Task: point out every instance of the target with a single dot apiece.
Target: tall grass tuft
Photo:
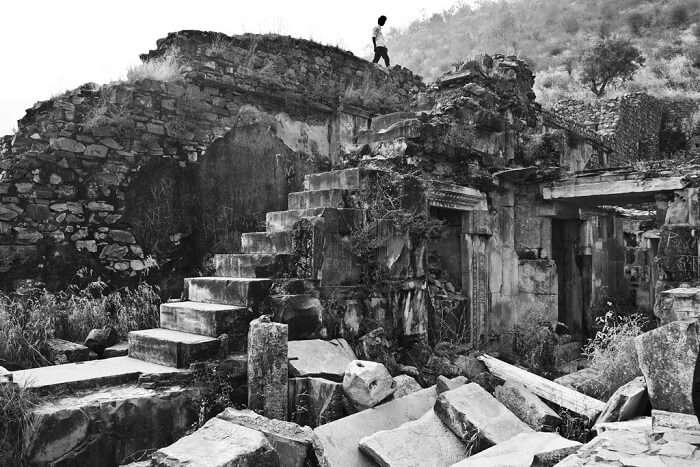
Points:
(16, 404)
(29, 319)
(612, 353)
(167, 67)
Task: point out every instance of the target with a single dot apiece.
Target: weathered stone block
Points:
(315, 401)
(291, 442)
(105, 426)
(405, 385)
(444, 384)
(268, 368)
(527, 407)
(423, 442)
(228, 291)
(629, 401)
(325, 359)
(366, 384)
(61, 351)
(667, 358)
(219, 443)
(362, 424)
(171, 348)
(207, 319)
(470, 410)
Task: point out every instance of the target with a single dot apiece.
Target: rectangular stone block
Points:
(426, 441)
(527, 407)
(267, 242)
(338, 440)
(322, 199)
(206, 319)
(315, 401)
(469, 410)
(255, 265)
(228, 290)
(320, 358)
(268, 368)
(171, 348)
(348, 179)
(337, 220)
(521, 450)
(61, 351)
(219, 443)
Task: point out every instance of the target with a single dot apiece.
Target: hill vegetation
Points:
(554, 36)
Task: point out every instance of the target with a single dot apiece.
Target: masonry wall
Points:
(118, 179)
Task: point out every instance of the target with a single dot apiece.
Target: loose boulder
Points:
(667, 358)
(219, 443)
(527, 407)
(366, 384)
(423, 442)
(469, 410)
(99, 339)
(629, 401)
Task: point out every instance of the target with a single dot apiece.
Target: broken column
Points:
(267, 368)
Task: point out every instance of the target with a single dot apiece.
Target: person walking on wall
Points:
(380, 50)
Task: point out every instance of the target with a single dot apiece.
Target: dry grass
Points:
(16, 404)
(29, 319)
(166, 68)
(612, 353)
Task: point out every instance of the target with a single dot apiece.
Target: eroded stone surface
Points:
(629, 401)
(423, 442)
(219, 443)
(444, 384)
(337, 441)
(469, 409)
(405, 385)
(315, 401)
(267, 368)
(527, 406)
(325, 359)
(106, 426)
(667, 358)
(366, 383)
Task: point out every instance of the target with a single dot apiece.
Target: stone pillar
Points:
(267, 368)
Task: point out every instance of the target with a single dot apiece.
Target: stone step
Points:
(206, 319)
(267, 243)
(228, 290)
(348, 179)
(382, 122)
(171, 348)
(337, 220)
(254, 265)
(334, 198)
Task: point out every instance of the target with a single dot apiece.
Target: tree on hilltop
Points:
(609, 61)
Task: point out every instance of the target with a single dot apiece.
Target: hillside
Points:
(552, 35)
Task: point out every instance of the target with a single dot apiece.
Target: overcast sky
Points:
(49, 46)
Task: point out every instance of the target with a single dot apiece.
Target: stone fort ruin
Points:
(367, 214)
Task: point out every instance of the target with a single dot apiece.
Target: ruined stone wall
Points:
(680, 132)
(111, 178)
(633, 123)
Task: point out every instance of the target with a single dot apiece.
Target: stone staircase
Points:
(266, 278)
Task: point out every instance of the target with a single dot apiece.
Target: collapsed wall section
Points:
(110, 178)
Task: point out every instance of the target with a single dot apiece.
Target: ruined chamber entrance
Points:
(572, 266)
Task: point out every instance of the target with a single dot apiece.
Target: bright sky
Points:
(49, 46)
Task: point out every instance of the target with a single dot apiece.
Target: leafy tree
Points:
(610, 61)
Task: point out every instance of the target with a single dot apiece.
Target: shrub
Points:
(678, 15)
(167, 67)
(612, 353)
(534, 341)
(637, 21)
(15, 407)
